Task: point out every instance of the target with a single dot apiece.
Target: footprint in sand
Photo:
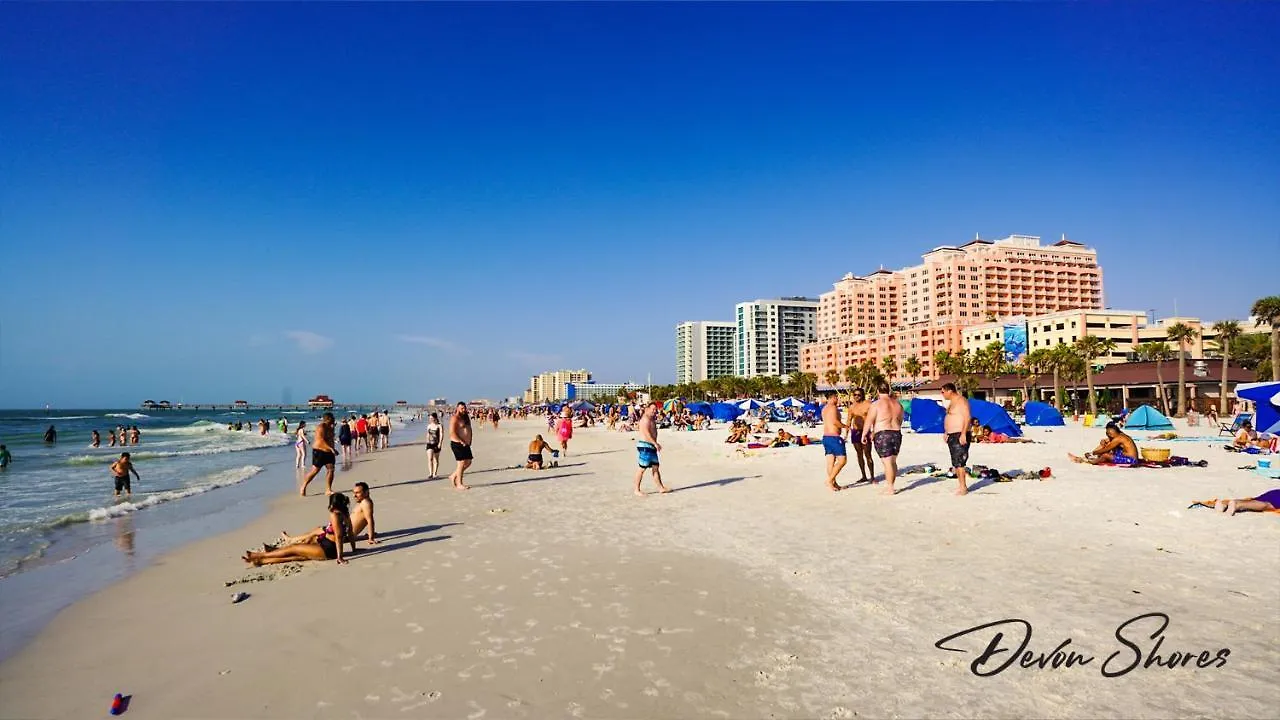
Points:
(841, 713)
(415, 627)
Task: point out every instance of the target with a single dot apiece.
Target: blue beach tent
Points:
(993, 416)
(1147, 418)
(812, 407)
(725, 411)
(699, 408)
(1043, 415)
(926, 415)
(1266, 401)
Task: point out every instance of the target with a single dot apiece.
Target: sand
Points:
(749, 592)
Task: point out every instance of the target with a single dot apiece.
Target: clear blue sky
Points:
(386, 201)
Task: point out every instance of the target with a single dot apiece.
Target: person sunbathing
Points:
(762, 426)
(738, 432)
(1268, 501)
(979, 432)
(535, 453)
(783, 439)
(328, 545)
(361, 518)
(1115, 449)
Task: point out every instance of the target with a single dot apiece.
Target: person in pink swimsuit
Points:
(564, 429)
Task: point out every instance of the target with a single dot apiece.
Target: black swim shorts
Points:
(384, 430)
(122, 484)
(321, 458)
(460, 452)
(888, 443)
(959, 453)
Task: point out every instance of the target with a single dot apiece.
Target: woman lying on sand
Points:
(1268, 501)
(327, 546)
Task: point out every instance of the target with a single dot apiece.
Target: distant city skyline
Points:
(206, 201)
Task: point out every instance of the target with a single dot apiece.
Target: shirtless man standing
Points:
(120, 470)
(833, 440)
(322, 455)
(956, 425)
(883, 428)
(460, 443)
(857, 423)
(647, 448)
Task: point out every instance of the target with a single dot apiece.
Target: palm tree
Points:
(1181, 333)
(803, 384)
(889, 364)
(1159, 352)
(1037, 362)
(1090, 347)
(869, 374)
(944, 362)
(912, 368)
(990, 362)
(1267, 310)
(832, 376)
(1059, 359)
(1227, 331)
(851, 376)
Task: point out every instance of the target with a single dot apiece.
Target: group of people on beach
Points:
(878, 424)
(120, 435)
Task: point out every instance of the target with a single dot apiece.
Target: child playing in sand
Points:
(535, 453)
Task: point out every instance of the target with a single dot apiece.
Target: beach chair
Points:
(1234, 427)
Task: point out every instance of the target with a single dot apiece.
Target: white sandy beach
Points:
(750, 592)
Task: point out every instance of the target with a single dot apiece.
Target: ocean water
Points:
(54, 495)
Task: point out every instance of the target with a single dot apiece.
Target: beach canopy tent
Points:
(989, 414)
(788, 403)
(750, 404)
(812, 407)
(926, 415)
(582, 405)
(725, 411)
(1147, 418)
(699, 408)
(1266, 398)
(1043, 415)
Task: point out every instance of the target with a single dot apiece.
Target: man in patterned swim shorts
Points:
(883, 428)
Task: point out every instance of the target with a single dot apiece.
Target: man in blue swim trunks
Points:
(647, 448)
(833, 440)
(1115, 449)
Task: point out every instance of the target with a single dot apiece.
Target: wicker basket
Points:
(1155, 454)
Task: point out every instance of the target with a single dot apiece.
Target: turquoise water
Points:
(51, 489)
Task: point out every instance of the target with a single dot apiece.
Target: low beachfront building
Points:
(594, 391)
(1119, 385)
(1128, 328)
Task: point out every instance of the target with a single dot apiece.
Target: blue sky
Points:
(220, 201)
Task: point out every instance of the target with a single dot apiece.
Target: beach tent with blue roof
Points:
(750, 404)
(1266, 401)
(812, 407)
(926, 415)
(699, 408)
(993, 416)
(725, 411)
(1147, 418)
(1041, 414)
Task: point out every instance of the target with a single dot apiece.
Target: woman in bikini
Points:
(435, 433)
(327, 546)
(300, 444)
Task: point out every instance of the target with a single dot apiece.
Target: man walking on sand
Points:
(833, 440)
(883, 428)
(956, 425)
(323, 455)
(460, 443)
(857, 424)
(647, 448)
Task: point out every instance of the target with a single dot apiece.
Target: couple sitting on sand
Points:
(324, 543)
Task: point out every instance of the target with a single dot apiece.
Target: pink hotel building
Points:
(920, 310)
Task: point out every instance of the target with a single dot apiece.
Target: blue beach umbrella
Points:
(750, 404)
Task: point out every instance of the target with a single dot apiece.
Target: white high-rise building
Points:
(704, 350)
(770, 333)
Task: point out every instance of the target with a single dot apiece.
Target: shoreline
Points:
(749, 591)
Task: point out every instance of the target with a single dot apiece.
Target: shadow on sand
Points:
(531, 478)
(714, 483)
(409, 539)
